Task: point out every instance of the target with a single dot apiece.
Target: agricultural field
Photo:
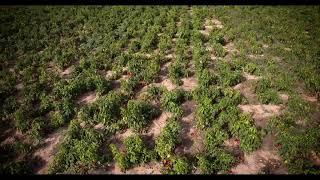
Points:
(160, 90)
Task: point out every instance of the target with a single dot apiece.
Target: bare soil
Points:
(50, 147)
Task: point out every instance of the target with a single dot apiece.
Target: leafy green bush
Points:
(168, 139)
(136, 153)
(216, 37)
(206, 78)
(251, 68)
(150, 40)
(164, 43)
(180, 165)
(172, 99)
(176, 72)
(214, 137)
(120, 157)
(206, 112)
(229, 76)
(138, 114)
(155, 91)
(247, 132)
(109, 107)
(81, 146)
(219, 161)
(128, 86)
(22, 121)
(269, 96)
(219, 50)
(296, 144)
(150, 73)
(134, 46)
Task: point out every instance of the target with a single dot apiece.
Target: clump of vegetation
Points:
(247, 132)
(229, 75)
(138, 114)
(296, 143)
(219, 161)
(135, 153)
(19, 167)
(156, 92)
(219, 50)
(168, 139)
(179, 165)
(171, 101)
(266, 93)
(80, 148)
(106, 110)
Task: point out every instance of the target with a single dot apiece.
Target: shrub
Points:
(251, 68)
(168, 139)
(176, 72)
(56, 119)
(214, 137)
(164, 43)
(228, 75)
(155, 91)
(22, 122)
(119, 157)
(205, 78)
(80, 147)
(109, 107)
(219, 50)
(247, 132)
(19, 167)
(269, 96)
(216, 37)
(172, 99)
(138, 114)
(134, 46)
(219, 161)
(150, 73)
(37, 128)
(180, 165)
(128, 86)
(136, 153)
(206, 112)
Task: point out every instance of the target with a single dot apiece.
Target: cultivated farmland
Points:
(160, 90)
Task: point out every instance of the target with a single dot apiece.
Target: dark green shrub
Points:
(219, 161)
(109, 107)
(180, 165)
(206, 78)
(172, 99)
(219, 50)
(269, 96)
(176, 72)
(155, 91)
(247, 132)
(214, 137)
(134, 46)
(138, 114)
(22, 121)
(15, 168)
(136, 153)
(80, 146)
(168, 139)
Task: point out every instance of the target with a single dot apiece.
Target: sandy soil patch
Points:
(264, 160)
(189, 83)
(87, 98)
(158, 124)
(261, 112)
(49, 149)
